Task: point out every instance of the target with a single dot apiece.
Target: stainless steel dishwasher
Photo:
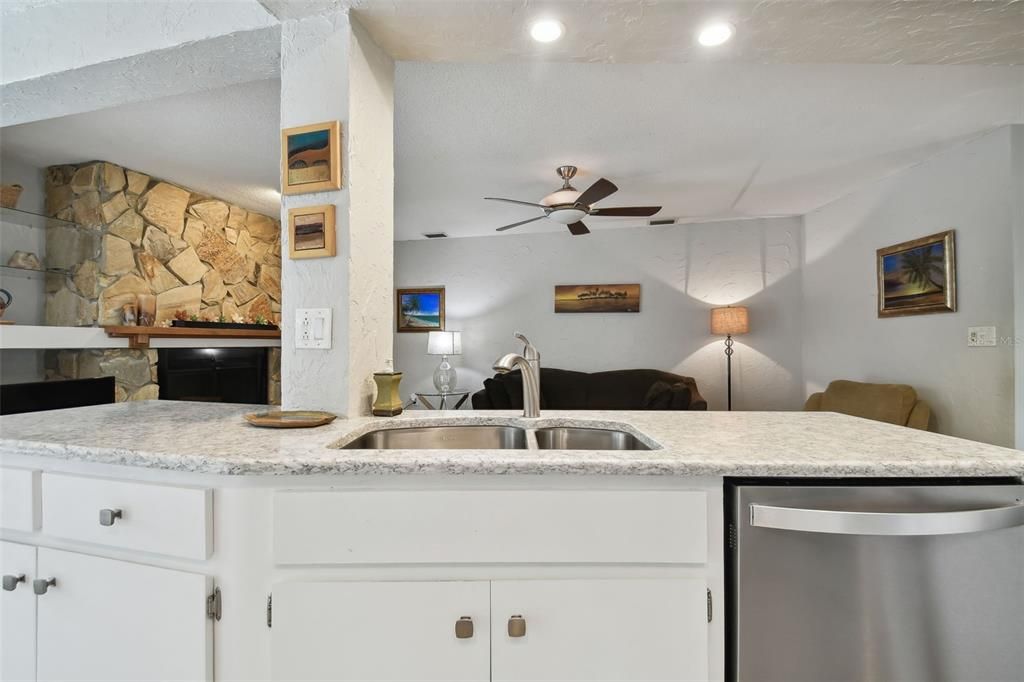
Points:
(833, 582)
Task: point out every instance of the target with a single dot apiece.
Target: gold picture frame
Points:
(918, 277)
(419, 310)
(311, 232)
(311, 158)
(597, 298)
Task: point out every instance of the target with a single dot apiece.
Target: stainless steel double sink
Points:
(489, 437)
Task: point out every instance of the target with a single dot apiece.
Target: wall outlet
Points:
(313, 328)
(981, 336)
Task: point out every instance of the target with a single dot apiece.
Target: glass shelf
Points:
(16, 271)
(15, 216)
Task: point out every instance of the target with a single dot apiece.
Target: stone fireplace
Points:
(142, 235)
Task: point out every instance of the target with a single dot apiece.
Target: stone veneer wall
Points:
(141, 235)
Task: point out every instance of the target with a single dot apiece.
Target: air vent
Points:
(663, 221)
(435, 235)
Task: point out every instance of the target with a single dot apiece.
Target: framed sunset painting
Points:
(311, 158)
(918, 277)
(420, 310)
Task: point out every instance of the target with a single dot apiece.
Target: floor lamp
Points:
(729, 321)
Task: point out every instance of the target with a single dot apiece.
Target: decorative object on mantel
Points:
(9, 195)
(311, 232)
(729, 321)
(387, 403)
(128, 315)
(597, 298)
(146, 309)
(311, 158)
(420, 310)
(444, 343)
(290, 419)
(26, 260)
(183, 318)
(6, 299)
(918, 277)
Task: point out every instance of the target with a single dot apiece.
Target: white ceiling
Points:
(707, 142)
(224, 142)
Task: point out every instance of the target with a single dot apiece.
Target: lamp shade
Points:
(444, 343)
(730, 321)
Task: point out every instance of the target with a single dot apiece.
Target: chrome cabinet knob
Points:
(108, 516)
(464, 628)
(11, 581)
(42, 585)
(517, 626)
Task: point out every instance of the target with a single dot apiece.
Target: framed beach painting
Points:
(311, 158)
(420, 310)
(311, 232)
(597, 298)
(918, 276)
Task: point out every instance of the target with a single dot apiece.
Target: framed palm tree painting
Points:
(918, 276)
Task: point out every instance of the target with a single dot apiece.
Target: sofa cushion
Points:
(890, 403)
(659, 396)
(681, 397)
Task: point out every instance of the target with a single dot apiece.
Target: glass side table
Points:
(434, 400)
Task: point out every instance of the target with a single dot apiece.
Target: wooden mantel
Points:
(138, 337)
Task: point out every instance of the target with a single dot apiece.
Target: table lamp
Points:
(729, 321)
(444, 344)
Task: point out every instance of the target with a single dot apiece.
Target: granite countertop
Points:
(213, 438)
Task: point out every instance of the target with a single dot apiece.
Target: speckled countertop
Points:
(213, 438)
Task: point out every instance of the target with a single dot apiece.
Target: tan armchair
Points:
(892, 403)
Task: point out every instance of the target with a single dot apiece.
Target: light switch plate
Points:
(313, 328)
(981, 336)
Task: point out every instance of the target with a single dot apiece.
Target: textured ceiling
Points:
(663, 31)
(707, 142)
(224, 142)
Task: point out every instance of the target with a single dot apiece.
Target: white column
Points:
(332, 70)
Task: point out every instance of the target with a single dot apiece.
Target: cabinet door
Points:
(369, 631)
(18, 614)
(115, 620)
(600, 630)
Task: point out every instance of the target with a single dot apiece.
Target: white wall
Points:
(496, 285)
(22, 365)
(968, 187)
(1017, 189)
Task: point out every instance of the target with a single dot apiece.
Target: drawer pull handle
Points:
(11, 581)
(42, 585)
(108, 516)
(464, 628)
(517, 626)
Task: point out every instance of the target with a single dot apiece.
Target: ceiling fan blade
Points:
(626, 211)
(521, 222)
(578, 228)
(599, 190)
(515, 201)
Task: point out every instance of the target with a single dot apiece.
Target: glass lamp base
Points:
(444, 376)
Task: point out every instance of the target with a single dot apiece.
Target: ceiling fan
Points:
(568, 205)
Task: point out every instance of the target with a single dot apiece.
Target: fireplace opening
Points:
(214, 375)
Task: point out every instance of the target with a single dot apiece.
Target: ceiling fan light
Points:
(546, 30)
(562, 196)
(566, 216)
(715, 34)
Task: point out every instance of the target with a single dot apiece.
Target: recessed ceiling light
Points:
(546, 30)
(715, 34)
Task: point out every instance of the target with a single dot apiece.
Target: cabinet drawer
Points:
(161, 519)
(550, 526)
(19, 499)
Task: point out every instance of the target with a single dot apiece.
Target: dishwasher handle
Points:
(879, 523)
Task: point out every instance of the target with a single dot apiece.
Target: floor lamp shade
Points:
(730, 321)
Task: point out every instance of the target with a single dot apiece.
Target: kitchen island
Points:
(166, 540)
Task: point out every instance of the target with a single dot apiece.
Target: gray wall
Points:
(970, 188)
(496, 285)
(1017, 189)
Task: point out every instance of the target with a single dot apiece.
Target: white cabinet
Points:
(369, 631)
(599, 630)
(618, 629)
(116, 620)
(17, 613)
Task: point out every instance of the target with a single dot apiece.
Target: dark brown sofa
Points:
(623, 389)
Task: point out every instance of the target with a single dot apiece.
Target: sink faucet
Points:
(529, 366)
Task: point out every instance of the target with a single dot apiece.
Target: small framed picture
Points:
(918, 277)
(420, 310)
(311, 158)
(311, 232)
